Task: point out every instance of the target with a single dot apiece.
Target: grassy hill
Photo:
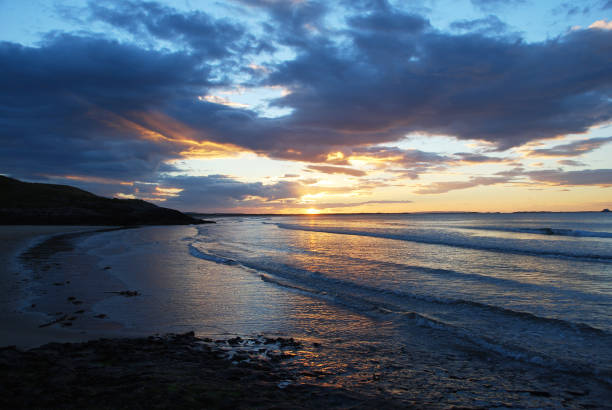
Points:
(24, 203)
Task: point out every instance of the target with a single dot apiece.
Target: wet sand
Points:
(21, 328)
(94, 365)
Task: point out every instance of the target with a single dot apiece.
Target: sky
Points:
(300, 106)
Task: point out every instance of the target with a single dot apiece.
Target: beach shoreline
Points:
(20, 327)
(75, 366)
(435, 370)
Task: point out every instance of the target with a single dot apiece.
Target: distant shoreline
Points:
(230, 214)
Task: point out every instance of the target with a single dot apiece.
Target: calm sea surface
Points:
(529, 288)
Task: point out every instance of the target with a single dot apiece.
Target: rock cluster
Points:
(172, 371)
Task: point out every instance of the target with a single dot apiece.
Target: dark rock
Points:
(155, 372)
(235, 341)
(127, 293)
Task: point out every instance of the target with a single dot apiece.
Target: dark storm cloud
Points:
(294, 23)
(202, 34)
(572, 149)
(63, 105)
(469, 86)
(385, 22)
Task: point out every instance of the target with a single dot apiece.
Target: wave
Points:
(545, 231)
(475, 277)
(386, 310)
(213, 258)
(458, 243)
(320, 284)
(522, 336)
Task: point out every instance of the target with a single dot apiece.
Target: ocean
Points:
(474, 305)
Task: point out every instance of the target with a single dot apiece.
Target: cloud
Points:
(469, 86)
(220, 192)
(602, 25)
(588, 177)
(389, 22)
(490, 24)
(447, 186)
(328, 169)
(87, 105)
(76, 115)
(200, 33)
(572, 149)
(571, 162)
(351, 204)
(593, 177)
(475, 158)
(411, 162)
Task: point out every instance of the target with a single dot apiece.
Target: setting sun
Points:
(312, 211)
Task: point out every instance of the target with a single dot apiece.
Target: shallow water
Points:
(397, 295)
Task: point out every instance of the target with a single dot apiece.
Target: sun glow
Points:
(313, 211)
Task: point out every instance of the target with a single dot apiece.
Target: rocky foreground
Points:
(173, 371)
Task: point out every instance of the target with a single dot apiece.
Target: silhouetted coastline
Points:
(26, 203)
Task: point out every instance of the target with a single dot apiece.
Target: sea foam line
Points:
(544, 231)
(456, 244)
(317, 283)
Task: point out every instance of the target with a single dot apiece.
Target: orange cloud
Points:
(158, 127)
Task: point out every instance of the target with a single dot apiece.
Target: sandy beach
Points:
(19, 327)
(46, 364)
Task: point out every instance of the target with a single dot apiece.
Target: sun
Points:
(312, 211)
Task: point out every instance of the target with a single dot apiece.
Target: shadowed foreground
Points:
(174, 371)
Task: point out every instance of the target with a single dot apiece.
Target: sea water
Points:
(530, 289)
